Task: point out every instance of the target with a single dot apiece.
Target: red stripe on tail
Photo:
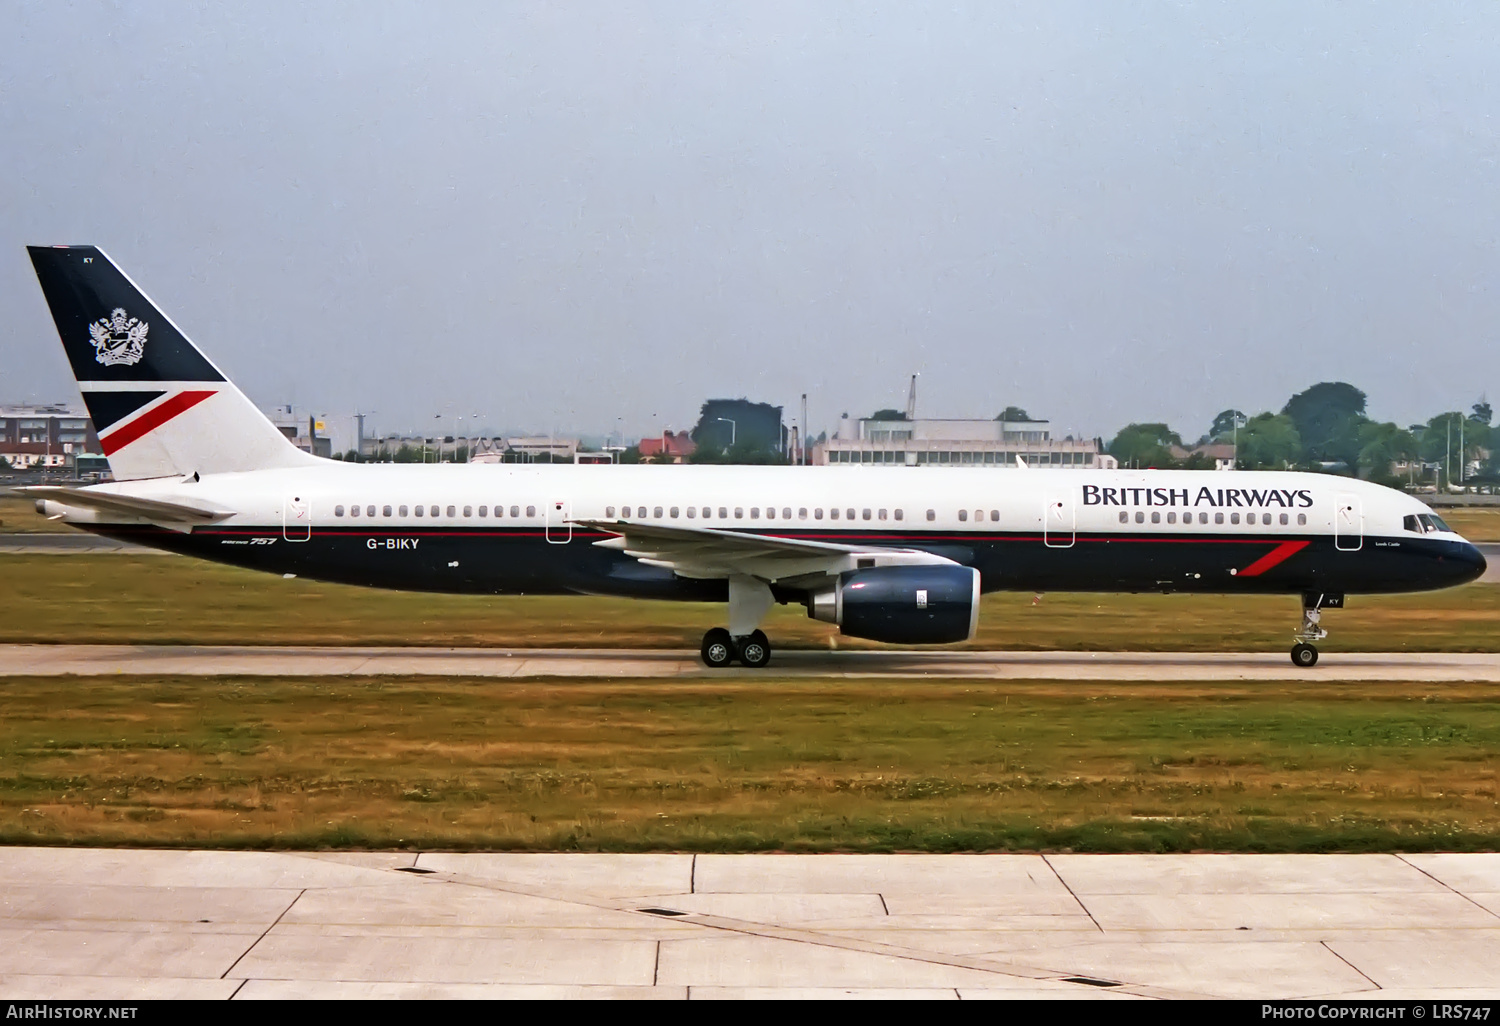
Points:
(151, 420)
(1275, 557)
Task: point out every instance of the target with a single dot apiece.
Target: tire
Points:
(755, 650)
(718, 649)
(1304, 655)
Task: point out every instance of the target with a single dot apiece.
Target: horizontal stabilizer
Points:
(127, 505)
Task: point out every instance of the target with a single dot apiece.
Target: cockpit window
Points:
(1425, 523)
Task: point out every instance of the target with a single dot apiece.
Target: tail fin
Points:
(159, 406)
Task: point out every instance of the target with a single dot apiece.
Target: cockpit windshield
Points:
(1425, 523)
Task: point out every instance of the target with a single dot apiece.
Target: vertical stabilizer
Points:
(158, 405)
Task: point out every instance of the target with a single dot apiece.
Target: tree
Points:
(887, 415)
(1144, 445)
(723, 423)
(1328, 417)
(1223, 426)
(1482, 412)
(630, 455)
(1382, 445)
(4, 463)
(1268, 441)
(1013, 413)
(406, 454)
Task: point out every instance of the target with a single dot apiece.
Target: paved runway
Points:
(92, 660)
(86, 923)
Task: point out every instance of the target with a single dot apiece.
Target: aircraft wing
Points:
(708, 553)
(155, 510)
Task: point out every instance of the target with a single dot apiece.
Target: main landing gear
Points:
(749, 600)
(1304, 652)
(720, 649)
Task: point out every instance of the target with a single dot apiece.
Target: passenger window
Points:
(900, 515)
(1249, 518)
(452, 512)
(978, 515)
(369, 511)
(1202, 518)
(692, 512)
(1219, 517)
(420, 510)
(880, 514)
(1171, 518)
(1124, 517)
(433, 511)
(723, 512)
(932, 514)
(708, 511)
(657, 512)
(1301, 519)
(866, 513)
(739, 512)
(402, 510)
(468, 511)
(994, 516)
(818, 513)
(849, 514)
(354, 511)
(531, 511)
(770, 512)
(338, 511)
(515, 511)
(1283, 519)
(1234, 518)
(833, 514)
(802, 513)
(963, 514)
(609, 512)
(673, 512)
(385, 511)
(484, 511)
(1156, 516)
(754, 512)
(786, 513)
(1140, 517)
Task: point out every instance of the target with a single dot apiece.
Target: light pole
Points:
(1238, 419)
(731, 430)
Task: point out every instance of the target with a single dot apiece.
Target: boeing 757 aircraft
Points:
(892, 555)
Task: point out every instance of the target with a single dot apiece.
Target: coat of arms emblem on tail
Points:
(119, 338)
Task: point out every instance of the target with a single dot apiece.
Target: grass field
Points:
(770, 765)
(1475, 524)
(166, 599)
(19, 516)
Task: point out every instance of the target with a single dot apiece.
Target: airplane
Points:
(889, 555)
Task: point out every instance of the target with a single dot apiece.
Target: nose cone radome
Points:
(1466, 561)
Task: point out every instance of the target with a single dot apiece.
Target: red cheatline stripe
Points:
(1276, 556)
(150, 420)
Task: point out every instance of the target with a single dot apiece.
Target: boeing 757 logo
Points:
(119, 338)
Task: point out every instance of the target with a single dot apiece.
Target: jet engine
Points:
(921, 605)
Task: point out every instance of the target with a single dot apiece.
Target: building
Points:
(302, 431)
(1221, 453)
(901, 442)
(670, 448)
(49, 436)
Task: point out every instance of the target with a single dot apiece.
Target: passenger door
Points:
(1348, 523)
(296, 518)
(559, 521)
(1059, 522)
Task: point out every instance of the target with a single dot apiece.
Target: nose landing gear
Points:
(1304, 652)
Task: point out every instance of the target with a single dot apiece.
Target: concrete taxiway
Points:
(95, 660)
(85, 923)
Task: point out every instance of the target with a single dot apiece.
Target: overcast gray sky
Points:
(593, 216)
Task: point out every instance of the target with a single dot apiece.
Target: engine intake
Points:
(909, 605)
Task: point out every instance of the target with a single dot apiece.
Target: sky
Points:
(588, 218)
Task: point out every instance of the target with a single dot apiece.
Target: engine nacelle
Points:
(909, 605)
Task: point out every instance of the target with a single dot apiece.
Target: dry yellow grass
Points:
(732, 765)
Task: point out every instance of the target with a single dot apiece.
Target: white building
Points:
(962, 443)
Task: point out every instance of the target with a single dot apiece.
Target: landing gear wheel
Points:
(1304, 655)
(755, 650)
(718, 648)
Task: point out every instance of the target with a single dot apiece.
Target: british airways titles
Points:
(1100, 495)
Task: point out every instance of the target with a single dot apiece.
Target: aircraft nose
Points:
(1466, 561)
(1476, 560)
